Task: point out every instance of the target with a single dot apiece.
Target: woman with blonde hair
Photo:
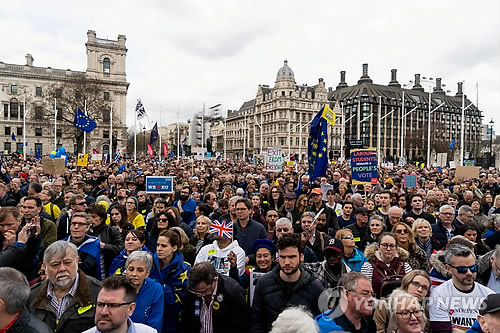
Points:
(416, 283)
(353, 257)
(406, 312)
(496, 205)
(201, 236)
(422, 232)
(417, 258)
(302, 203)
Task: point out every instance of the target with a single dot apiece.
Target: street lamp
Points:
(491, 141)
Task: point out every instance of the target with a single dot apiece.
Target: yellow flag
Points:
(82, 160)
(329, 115)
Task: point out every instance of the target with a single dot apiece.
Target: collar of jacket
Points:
(82, 296)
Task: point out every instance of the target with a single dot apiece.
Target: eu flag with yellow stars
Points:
(83, 122)
(317, 147)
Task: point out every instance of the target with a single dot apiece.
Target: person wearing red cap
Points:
(318, 204)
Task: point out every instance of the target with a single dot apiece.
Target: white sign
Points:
(96, 157)
(254, 277)
(324, 189)
(452, 164)
(274, 159)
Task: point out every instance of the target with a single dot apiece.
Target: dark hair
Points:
(469, 226)
(416, 195)
(123, 212)
(37, 187)
(73, 199)
(347, 203)
(97, 210)
(224, 203)
(117, 282)
(101, 179)
(173, 236)
(386, 192)
(290, 240)
(201, 272)
(51, 194)
(170, 218)
(386, 233)
(137, 234)
(205, 209)
(246, 202)
(37, 200)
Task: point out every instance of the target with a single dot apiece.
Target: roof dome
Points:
(285, 72)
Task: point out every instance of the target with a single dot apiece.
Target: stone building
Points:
(28, 85)
(279, 116)
(387, 102)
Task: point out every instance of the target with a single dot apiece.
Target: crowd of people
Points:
(234, 248)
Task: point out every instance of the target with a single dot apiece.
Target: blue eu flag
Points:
(154, 134)
(83, 122)
(317, 147)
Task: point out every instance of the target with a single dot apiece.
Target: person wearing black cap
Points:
(359, 229)
(333, 267)
(488, 320)
(289, 210)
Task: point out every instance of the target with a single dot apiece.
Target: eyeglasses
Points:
(463, 269)
(163, 220)
(349, 236)
(407, 314)
(130, 203)
(418, 286)
(275, 192)
(282, 230)
(140, 196)
(241, 209)
(205, 293)
(388, 246)
(79, 224)
(111, 306)
(83, 203)
(402, 231)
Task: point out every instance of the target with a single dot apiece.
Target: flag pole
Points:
(85, 133)
(135, 135)
(159, 134)
(24, 129)
(178, 137)
(55, 124)
(110, 150)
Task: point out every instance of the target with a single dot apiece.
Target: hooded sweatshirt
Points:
(218, 257)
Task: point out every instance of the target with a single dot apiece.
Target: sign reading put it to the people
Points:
(410, 181)
(274, 159)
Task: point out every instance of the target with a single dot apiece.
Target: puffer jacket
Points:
(484, 268)
(417, 258)
(271, 297)
(80, 312)
(438, 273)
(27, 323)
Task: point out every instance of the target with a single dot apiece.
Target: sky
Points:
(184, 54)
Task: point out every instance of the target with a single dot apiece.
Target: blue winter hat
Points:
(260, 243)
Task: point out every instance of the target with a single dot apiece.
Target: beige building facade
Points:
(24, 89)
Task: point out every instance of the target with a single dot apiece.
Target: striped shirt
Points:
(60, 307)
(206, 313)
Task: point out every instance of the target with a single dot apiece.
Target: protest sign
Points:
(410, 181)
(96, 157)
(83, 159)
(274, 159)
(254, 277)
(290, 164)
(467, 172)
(53, 166)
(324, 189)
(452, 164)
(364, 166)
(159, 184)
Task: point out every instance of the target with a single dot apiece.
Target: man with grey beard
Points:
(66, 300)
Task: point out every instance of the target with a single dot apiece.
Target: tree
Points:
(70, 94)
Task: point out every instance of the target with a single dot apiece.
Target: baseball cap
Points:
(334, 244)
(490, 304)
(316, 191)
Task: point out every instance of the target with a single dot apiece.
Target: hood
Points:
(371, 253)
(437, 262)
(230, 247)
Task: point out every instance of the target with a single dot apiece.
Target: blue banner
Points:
(159, 184)
(364, 166)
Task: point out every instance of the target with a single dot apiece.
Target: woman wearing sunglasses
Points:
(417, 258)
(161, 222)
(417, 283)
(353, 257)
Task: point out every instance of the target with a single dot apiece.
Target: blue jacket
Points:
(188, 214)
(356, 262)
(90, 257)
(118, 265)
(326, 324)
(475, 328)
(149, 305)
(174, 279)
(253, 231)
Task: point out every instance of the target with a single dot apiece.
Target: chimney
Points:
(417, 85)
(438, 89)
(394, 81)
(342, 83)
(29, 60)
(365, 78)
(459, 91)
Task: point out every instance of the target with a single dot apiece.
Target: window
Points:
(19, 131)
(38, 131)
(58, 93)
(38, 113)
(106, 65)
(58, 132)
(106, 96)
(38, 91)
(13, 89)
(21, 111)
(7, 146)
(6, 110)
(59, 114)
(105, 134)
(38, 148)
(14, 109)
(19, 148)
(282, 93)
(7, 130)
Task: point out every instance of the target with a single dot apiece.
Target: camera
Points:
(31, 231)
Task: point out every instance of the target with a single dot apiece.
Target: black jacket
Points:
(439, 232)
(231, 315)
(27, 323)
(271, 297)
(331, 216)
(111, 237)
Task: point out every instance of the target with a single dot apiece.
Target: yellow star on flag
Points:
(320, 155)
(314, 153)
(324, 140)
(324, 148)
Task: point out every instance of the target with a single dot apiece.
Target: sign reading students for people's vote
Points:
(364, 166)
(274, 159)
(410, 180)
(159, 184)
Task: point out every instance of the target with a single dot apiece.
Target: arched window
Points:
(106, 65)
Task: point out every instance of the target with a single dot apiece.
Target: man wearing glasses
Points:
(213, 303)
(77, 204)
(65, 301)
(115, 305)
(446, 227)
(455, 303)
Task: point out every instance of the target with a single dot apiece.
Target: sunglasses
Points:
(463, 269)
(83, 203)
(402, 231)
(114, 214)
(163, 220)
(282, 230)
(349, 236)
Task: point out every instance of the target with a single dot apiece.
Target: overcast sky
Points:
(182, 53)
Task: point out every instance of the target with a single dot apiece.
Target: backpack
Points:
(389, 283)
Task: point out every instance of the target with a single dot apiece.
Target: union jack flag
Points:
(222, 228)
